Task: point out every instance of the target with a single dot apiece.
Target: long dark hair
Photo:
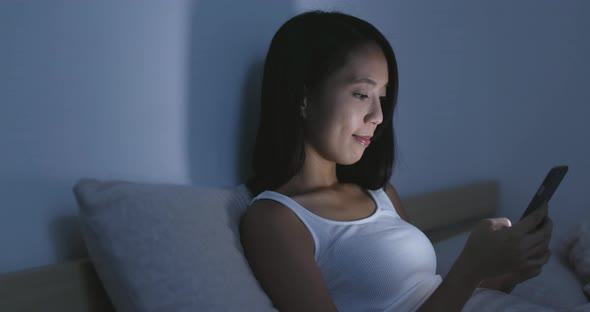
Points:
(303, 53)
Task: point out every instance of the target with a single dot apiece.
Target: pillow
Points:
(165, 247)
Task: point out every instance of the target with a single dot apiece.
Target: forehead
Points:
(367, 62)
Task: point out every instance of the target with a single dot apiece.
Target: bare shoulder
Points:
(396, 201)
(280, 252)
(270, 220)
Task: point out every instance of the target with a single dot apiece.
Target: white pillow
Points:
(164, 247)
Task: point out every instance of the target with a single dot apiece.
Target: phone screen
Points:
(546, 189)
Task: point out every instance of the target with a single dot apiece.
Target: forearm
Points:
(454, 291)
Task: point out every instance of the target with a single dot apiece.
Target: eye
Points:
(360, 96)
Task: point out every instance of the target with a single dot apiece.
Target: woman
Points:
(327, 231)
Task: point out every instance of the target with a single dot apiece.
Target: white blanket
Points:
(488, 300)
(578, 251)
(556, 289)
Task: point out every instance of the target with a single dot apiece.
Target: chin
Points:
(349, 161)
(349, 156)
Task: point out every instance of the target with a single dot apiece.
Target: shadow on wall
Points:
(67, 238)
(229, 41)
(249, 117)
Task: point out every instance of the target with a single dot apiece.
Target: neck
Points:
(316, 173)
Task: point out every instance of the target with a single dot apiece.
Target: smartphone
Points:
(546, 189)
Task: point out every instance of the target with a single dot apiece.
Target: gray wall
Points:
(164, 91)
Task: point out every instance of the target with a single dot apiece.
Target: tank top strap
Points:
(384, 202)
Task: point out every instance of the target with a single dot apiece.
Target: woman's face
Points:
(342, 117)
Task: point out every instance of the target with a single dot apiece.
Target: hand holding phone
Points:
(547, 188)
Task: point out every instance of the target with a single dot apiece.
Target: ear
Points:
(303, 108)
(305, 104)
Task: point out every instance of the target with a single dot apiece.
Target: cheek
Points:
(338, 121)
(335, 121)
(349, 118)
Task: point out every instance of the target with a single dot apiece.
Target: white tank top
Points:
(379, 263)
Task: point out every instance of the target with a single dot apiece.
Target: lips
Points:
(364, 140)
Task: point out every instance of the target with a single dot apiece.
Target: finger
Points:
(541, 235)
(531, 221)
(499, 223)
(537, 251)
(538, 262)
(546, 226)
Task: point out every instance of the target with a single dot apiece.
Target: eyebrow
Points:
(356, 80)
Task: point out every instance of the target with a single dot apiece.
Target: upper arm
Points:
(280, 251)
(395, 200)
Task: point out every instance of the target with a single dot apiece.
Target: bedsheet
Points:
(555, 289)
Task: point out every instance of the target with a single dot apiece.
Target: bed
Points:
(445, 216)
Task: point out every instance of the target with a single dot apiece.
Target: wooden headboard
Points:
(70, 286)
(450, 211)
(75, 286)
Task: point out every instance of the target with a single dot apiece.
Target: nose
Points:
(375, 114)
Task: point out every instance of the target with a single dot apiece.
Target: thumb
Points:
(500, 223)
